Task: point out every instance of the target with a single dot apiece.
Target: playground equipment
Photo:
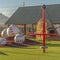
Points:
(58, 31)
(12, 30)
(12, 35)
(4, 33)
(19, 38)
(3, 41)
(44, 34)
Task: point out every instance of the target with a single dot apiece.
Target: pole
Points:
(44, 26)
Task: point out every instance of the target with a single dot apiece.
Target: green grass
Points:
(32, 52)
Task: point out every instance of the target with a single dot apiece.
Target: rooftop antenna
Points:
(24, 4)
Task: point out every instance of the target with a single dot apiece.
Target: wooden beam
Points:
(25, 29)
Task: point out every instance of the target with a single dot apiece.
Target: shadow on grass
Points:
(2, 53)
(24, 53)
(32, 42)
(53, 45)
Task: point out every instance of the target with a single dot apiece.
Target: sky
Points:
(8, 7)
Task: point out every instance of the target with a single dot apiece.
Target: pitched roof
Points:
(31, 14)
(3, 19)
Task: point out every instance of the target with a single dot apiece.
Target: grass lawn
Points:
(32, 52)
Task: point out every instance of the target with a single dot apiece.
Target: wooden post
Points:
(32, 27)
(25, 29)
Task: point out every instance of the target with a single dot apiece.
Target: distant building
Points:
(3, 20)
(29, 18)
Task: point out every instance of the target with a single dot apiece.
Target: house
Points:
(29, 18)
